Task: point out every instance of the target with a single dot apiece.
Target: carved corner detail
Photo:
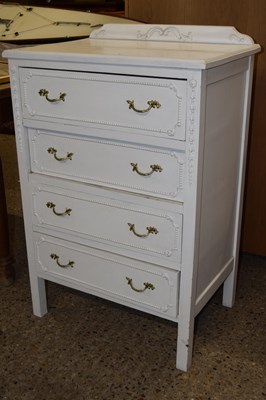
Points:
(16, 107)
(191, 130)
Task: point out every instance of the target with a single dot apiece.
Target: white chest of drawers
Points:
(131, 149)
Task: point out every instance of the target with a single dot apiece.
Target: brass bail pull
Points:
(45, 93)
(53, 151)
(147, 285)
(56, 258)
(52, 206)
(151, 104)
(150, 230)
(153, 167)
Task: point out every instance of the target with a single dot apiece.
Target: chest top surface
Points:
(196, 47)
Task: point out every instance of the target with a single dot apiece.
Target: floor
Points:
(86, 348)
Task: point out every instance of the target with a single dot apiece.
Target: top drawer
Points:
(148, 106)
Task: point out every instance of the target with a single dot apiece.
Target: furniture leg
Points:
(185, 345)
(229, 288)
(38, 293)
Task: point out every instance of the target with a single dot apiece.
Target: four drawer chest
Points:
(131, 147)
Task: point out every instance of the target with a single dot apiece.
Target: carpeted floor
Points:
(86, 348)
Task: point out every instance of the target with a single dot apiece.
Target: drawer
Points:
(140, 169)
(120, 226)
(146, 106)
(140, 285)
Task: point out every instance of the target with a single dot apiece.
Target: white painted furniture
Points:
(131, 149)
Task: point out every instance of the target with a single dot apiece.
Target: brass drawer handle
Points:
(147, 285)
(56, 258)
(44, 93)
(154, 168)
(151, 103)
(150, 229)
(52, 206)
(53, 151)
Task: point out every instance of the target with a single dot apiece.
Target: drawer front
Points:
(118, 224)
(118, 165)
(143, 105)
(141, 285)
